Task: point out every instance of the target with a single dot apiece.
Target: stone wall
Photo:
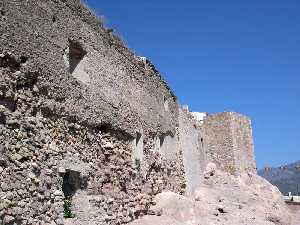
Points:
(85, 122)
(229, 139)
(193, 151)
(46, 159)
(85, 72)
(243, 144)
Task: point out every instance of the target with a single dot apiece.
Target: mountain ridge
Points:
(286, 177)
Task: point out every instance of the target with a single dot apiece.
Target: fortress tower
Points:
(229, 142)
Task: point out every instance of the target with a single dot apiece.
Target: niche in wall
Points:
(76, 61)
(71, 183)
(161, 141)
(138, 150)
(76, 54)
(166, 104)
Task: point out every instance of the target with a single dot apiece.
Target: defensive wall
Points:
(85, 121)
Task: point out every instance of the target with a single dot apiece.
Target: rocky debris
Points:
(223, 199)
(210, 170)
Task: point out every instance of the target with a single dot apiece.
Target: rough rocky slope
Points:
(223, 200)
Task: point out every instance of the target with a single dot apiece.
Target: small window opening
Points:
(75, 54)
(138, 148)
(71, 183)
(166, 104)
(201, 141)
(138, 138)
(23, 59)
(161, 141)
(54, 19)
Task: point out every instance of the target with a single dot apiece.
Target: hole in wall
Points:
(138, 151)
(103, 128)
(23, 59)
(27, 81)
(161, 141)
(138, 138)
(2, 118)
(74, 54)
(10, 104)
(53, 19)
(9, 61)
(71, 183)
(201, 140)
(24, 159)
(166, 104)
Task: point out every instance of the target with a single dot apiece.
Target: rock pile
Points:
(223, 199)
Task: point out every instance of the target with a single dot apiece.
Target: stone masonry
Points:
(85, 121)
(230, 144)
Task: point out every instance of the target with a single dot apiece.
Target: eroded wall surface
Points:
(101, 82)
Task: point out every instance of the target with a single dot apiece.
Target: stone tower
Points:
(229, 139)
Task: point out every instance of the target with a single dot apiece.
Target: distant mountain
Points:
(286, 178)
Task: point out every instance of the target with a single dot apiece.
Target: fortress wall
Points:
(73, 103)
(243, 144)
(84, 119)
(218, 135)
(106, 84)
(192, 151)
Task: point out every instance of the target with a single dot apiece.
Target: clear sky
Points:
(218, 55)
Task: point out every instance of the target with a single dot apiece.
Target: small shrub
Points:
(137, 163)
(67, 209)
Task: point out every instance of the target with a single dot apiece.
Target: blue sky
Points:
(221, 55)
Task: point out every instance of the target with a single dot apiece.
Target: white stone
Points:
(61, 170)
(58, 193)
(210, 170)
(199, 116)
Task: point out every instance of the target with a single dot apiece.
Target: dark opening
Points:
(8, 103)
(138, 138)
(161, 140)
(71, 183)
(76, 54)
(23, 59)
(201, 141)
(2, 118)
(10, 62)
(53, 19)
(24, 159)
(103, 128)
(27, 81)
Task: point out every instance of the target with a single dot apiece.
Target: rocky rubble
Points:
(223, 199)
